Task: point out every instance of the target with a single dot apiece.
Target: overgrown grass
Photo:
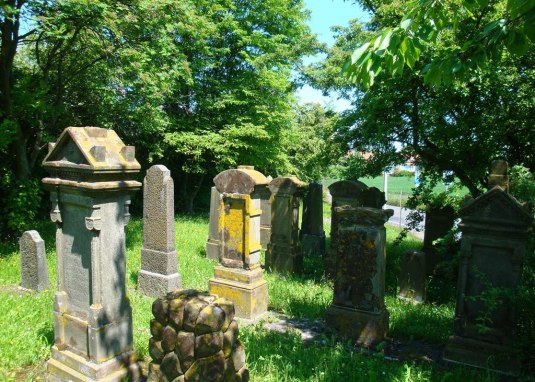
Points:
(26, 323)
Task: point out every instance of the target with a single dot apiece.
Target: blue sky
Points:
(324, 14)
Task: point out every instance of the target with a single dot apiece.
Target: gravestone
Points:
(284, 254)
(159, 261)
(358, 309)
(265, 219)
(92, 176)
(212, 244)
(239, 276)
(312, 233)
(495, 228)
(412, 277)
(349, 193)
(33, 267)
(438, 222)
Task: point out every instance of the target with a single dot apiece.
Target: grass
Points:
(26, 324)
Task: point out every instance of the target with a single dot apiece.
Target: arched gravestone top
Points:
(286, 184)
(354, 189)
(242, 180)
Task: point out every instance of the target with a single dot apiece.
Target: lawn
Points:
(26, 325)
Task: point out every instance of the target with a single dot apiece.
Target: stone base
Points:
(284, 259)
(65, 365)
(247, 289)
(157, 285)
(212, 249)
(480, 354)
(366, 328)
(313, 245)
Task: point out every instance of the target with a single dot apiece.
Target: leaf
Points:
(405, 24)
(358, 52)
(518, 45)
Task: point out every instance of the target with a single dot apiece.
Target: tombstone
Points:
(495, 228)
(358, 310)
(33, 267)
(284, 254)
(159, 261)
(265, 219)
(92, 176)
(412, 277)
(312, 233)
(438, 222)
(239, 276)
(212, 244)
(351, 193)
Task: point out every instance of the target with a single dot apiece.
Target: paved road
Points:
(400, 214)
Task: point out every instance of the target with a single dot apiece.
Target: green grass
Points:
(26, 324)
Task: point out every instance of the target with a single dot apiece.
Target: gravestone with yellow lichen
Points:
(239, 276)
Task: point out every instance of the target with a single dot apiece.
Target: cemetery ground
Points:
(26, 324)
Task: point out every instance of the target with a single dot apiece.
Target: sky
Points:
(324, 14)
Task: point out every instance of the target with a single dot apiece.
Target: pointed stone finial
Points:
(498, 175)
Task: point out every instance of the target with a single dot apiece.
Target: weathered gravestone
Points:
(33, 267)
(495, 229)
(266, 200)
(312, 233)
(358, 310)
(412, 277)
(239, 276)
(212, 244)
(349, 193)
(284, 254)
(159, 261)
(195, 338)
(91, 179)
(438, 222)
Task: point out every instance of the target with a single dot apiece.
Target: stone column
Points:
(312, 233)
(239, 276)
(358, 310)
(212, 244)
(33, 267)
(412, 277)
(284, 254)
(91, 179)
(159, 262)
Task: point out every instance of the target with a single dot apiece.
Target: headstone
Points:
(92, 175)
(358, 310)
(284, 254)
(265, 219)
(495, 228)
(239, 276)
(195, 338)
(312, 233)
(33, 267)
(349, 193)
(212, 245)
(438, 222)
(412, 277)
(159, 261)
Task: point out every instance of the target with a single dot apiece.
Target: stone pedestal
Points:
(284, 254)
(312, 233)
(159, 261)
(239, 276)
(412, 277)
(495, 229)
(33, 267)
(212, 244)
(358, 310)
(91, 179)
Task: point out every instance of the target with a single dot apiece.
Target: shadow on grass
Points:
(47, 334)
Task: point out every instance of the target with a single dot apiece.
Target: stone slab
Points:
(313, 245)
(33, 266)
(412, 277)
(157, 284)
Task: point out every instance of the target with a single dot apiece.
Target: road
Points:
(401, 214)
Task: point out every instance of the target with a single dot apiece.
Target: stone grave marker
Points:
(358, 309)
(284, 254)
(495, 228)
(412, 277)
(159, 262)
(239, 276)
(91, 177)
(212, 244)
(266, 200)
(312, 233)
(33, 267)
(438, 222)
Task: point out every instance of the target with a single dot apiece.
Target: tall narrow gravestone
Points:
(159, 261)
(91, 179)
(33, 268)
(266, 199)
(284, 254)
(312, 233)
(239, 276)
(495, 229)
(412, 277)
(212, 244)
(358, 310)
